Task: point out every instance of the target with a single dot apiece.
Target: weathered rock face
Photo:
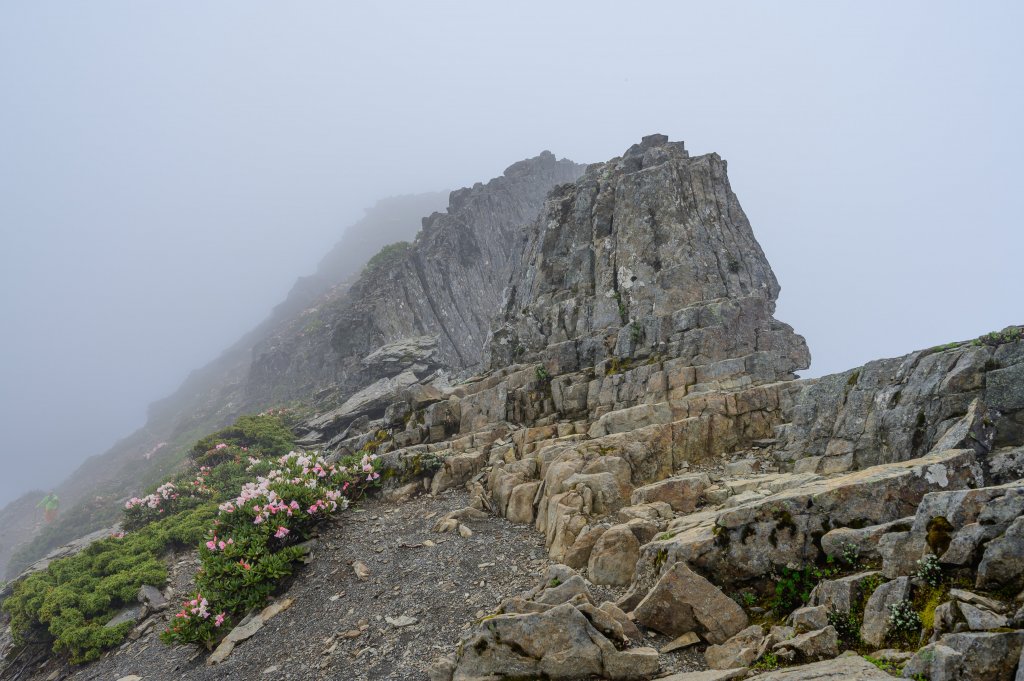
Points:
(644, 354)
(896, 409)
(748, 541)
(446, 284)
(554, 631)
(968, 657)
(635, 245)
(683, 601)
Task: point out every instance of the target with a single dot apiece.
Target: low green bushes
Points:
(243, 502)
(72, 599)
(266, 433)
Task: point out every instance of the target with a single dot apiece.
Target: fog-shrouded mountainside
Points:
(93, 490)
(578, 448)
(406, 269)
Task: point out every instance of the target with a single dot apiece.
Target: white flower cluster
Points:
(903, 619)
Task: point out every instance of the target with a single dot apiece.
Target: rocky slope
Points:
(667, 495)
(445, 285)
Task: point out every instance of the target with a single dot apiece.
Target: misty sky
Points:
(168, 169)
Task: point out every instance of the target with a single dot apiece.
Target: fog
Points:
(167, 170)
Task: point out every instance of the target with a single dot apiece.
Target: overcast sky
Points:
(168, 169)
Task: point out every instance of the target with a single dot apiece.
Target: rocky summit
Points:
(582, 451)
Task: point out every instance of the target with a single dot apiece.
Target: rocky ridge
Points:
(625, 366)
(637, 405)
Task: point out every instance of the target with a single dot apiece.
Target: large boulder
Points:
(1003, 561)
(954, 525)
(972, 656)
(681, 492)
(613, 559)
(877, 612)
(559, 643)
(739, 651)
(400, 355)
(810, 646)
(840, 595)
(684, 601)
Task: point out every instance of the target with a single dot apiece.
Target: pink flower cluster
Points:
(215, 544)
(367, 465)
(198, 606)
(280, 411)
(296, 468)
(165, 492)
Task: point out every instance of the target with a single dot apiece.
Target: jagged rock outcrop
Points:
(894, 409)
(445, 284)
(635, 247)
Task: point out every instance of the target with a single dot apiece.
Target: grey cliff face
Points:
(445, 284)
(634, 240)
(897, 409)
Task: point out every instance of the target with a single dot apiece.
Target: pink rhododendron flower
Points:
(219, 620)
(282, 531)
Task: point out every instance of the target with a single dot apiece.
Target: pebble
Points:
(401, 621)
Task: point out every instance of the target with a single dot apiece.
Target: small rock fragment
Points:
(686, 640)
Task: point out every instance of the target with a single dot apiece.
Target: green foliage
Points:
(867, 587)
(766, 663)
(1010, 334)
(636, 333)
(886, 666)
(926, 600)
(904, 622)
(623, 310)
(848, 556)
(793, 586)
(929, 570)
(264, 432)
(388, 254)
(847, 626)
(71, 601)
(746, 599)
(618, 365)
(542, 374)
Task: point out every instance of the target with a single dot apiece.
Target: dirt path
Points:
(337, 626)
(444, 587)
